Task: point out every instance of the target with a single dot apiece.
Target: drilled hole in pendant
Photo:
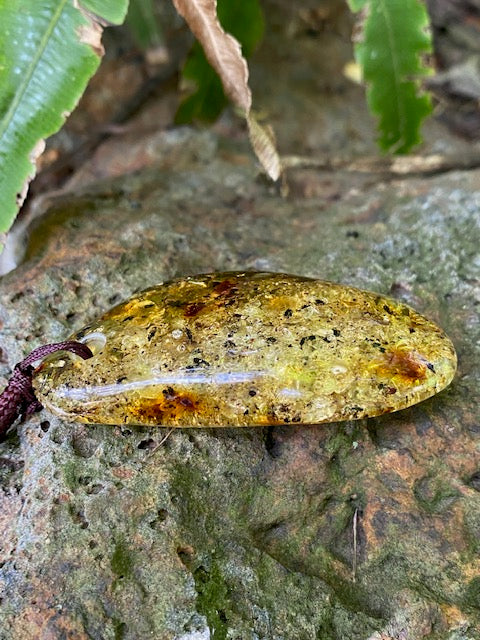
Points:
(95, 341)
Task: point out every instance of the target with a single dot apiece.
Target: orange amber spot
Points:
(193, 309)
(226, 288)
(406, 364)
(171, 406)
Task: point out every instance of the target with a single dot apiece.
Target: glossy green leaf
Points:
(356, 5)
(49, 49)
(208, 100)
(394, 39)
(112, 11)
(143, 24)
(243, 19)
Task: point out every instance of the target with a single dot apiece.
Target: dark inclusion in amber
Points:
(240, 349)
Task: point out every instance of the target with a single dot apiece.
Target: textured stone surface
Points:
(249, 533)
(248, 348)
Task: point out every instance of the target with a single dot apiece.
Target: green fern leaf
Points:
(395, 37)
(49, 49)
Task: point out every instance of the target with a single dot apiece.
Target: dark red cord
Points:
(18, 397)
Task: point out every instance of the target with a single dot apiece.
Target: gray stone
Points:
(246, 534)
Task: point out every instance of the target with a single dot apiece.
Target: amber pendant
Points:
(248, 348)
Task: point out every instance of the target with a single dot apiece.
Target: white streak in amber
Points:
(182, 378)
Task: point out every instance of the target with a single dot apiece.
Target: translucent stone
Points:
(244, 349)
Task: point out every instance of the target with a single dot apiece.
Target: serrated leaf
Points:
(395, 37)
(49, 49)
(262, 140)
(243, 19)
(225, 55)
(222, 50)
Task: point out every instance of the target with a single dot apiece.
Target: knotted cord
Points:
(18, 397)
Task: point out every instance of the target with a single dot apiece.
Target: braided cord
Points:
(18, 397)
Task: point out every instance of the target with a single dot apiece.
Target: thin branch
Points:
(355, 530)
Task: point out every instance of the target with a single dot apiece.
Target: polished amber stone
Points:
(248, 348)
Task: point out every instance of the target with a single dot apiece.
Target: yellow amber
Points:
(248, 348)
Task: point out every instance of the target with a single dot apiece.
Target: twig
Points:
(354, 560)
(404, 166)
(167, 435)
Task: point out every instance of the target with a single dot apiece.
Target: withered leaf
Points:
(225, 55)
(262, 139)
(222, 50)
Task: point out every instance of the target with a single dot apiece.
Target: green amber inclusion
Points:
(248, 348)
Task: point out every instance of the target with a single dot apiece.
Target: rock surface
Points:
(357, 530)
(365, 530)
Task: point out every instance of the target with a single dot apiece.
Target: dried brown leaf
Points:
(225, 55)
(221, 49)
(262, 139)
